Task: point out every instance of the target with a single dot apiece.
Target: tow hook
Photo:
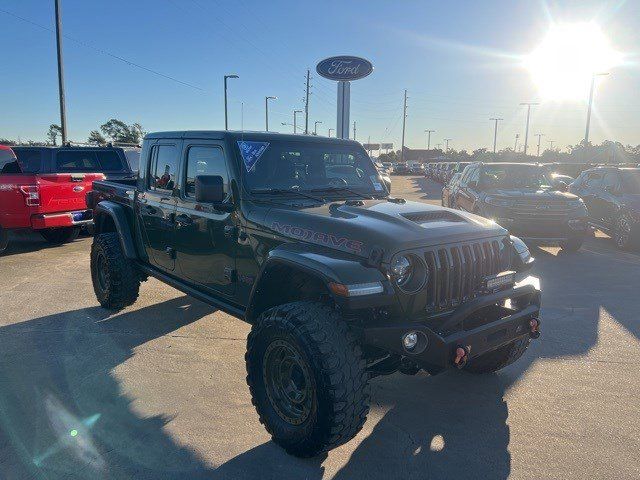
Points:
(462, 356)
(534, 325)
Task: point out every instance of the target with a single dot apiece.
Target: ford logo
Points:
(344, 68)
(78, 189)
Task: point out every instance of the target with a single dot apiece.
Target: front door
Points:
(157, 205)
(205, 234)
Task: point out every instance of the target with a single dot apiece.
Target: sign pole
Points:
(344, 97)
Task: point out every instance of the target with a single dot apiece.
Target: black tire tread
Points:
(339, 364)
(498, 359)
(124, 281)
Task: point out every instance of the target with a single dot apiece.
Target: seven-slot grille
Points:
(456, 271)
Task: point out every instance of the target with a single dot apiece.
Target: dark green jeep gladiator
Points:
(298, 236)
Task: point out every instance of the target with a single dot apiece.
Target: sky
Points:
(161, 63)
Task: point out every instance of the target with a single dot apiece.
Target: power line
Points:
(103, 51)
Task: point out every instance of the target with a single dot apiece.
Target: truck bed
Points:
(121, 191)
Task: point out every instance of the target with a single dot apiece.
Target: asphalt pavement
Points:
(158, 390)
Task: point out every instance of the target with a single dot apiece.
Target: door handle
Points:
(184, 220)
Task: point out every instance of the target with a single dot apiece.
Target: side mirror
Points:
(209, 189)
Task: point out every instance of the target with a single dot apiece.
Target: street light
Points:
(593, 81)
(295, 112)
(330, 130)
(495, 131)
(539, 135)
(226, 120)
(446, 148)
(315, 127)
(429, 132)
(526, 132)
(266, 111)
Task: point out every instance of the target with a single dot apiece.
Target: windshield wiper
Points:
(287, 190)
(343, 189)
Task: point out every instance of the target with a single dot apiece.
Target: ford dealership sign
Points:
(344, 68)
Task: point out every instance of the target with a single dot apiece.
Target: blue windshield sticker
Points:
(251, 152)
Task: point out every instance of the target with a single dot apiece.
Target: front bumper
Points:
(545, 229)
(479, 326)
(59, 220)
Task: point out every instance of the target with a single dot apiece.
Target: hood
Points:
(357, 227)
(532, 194)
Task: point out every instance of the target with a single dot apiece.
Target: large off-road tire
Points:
(498, 359)
(572, 244)
(116, 282)
(4, 239)
(307, 377)
(625, 232)
(58, 236)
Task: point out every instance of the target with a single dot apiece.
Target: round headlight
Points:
(401, 268)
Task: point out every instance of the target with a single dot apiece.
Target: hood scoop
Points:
(434, 219)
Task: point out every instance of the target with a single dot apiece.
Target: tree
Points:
(52, 134)
(119, 132)
(95, 137)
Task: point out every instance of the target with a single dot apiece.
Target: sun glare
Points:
(563, 64)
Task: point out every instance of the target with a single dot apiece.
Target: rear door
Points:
(157, 203)
(205, 235)
(466, 193)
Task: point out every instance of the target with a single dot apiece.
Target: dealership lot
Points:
(158, 390)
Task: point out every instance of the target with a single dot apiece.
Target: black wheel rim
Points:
(624, 230)
(288, 382)
(101, 275)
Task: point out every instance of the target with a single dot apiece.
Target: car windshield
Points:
(631, 182)
(309, 166)
(514, 176)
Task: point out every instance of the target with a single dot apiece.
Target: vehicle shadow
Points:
(27, 242)
(429, 189)
(62, 411)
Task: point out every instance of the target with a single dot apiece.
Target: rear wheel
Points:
(307, 378)
(623, 234)
(4, 239)
(58, 236)
(116, 282)
(498, 359)
(572, 244)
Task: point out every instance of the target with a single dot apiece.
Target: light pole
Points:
(429, 132)
(526, 132)
(495, 132)
(515, 147)
(446, 144)
(63, 109)
(330, 130)
(315, 127)
(266, 111)
(295, 128)
(593, 83)
(539, 135)
(551, 142)
(226, 118)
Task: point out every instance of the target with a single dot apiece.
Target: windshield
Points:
(514, 176)
(631, 182)
(309, 166)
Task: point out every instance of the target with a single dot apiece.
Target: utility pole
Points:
(526, 132)
(446, 148)
(266, 111)
(539, 135)
(551, 142)
(315, 127)
(429, 132)
(226, 118)
(515, 147)
(329, 134)
(354, 129)
(593, 83)
(295, 123)
(495, 132)
(63, 109)
(404, 122)
(438, 145)
(306, 106)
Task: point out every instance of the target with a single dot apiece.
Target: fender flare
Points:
(118, 215)
(327, 266)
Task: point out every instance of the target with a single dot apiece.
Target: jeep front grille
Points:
(456, 271)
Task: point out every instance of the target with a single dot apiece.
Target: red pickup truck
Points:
(52, 204)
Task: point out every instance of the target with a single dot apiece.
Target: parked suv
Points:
(520, 197)
(612, 197)
(339, 281)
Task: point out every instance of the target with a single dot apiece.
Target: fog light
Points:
(410, 340)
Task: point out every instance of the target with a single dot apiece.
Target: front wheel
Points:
(498, 359)
(572, 244)
(623, 232)
(116, 282)
(4, 239)
(58, 236)
(307, 377)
